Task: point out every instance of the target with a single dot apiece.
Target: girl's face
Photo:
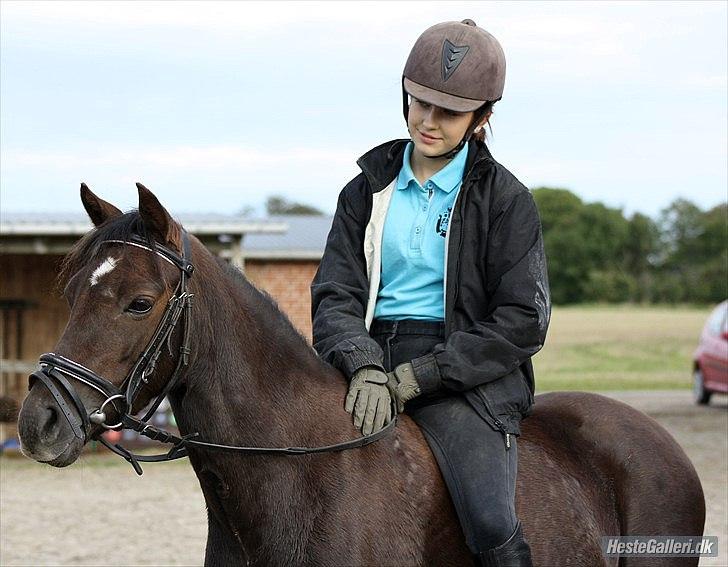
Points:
(435, 130)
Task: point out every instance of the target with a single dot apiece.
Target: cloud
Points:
(212, 178)
(556, 39)
(224, 16)
(180, 157)
(182, 95)
(707, 81)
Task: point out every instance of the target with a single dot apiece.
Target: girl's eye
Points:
(423, 104)
(140, 306)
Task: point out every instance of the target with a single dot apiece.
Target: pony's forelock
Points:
(122, 228)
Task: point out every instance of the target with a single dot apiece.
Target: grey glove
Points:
(403, 385)
(369, 399)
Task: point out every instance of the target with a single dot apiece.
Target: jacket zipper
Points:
(457, 261)
(498, 423)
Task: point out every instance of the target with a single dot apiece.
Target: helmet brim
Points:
(438, 98)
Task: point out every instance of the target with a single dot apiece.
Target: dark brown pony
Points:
(588, 466)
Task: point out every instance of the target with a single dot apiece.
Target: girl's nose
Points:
(429, 119)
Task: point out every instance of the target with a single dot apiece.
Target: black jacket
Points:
(497, 305)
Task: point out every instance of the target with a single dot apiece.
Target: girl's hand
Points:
(369, 399)
(403, 385)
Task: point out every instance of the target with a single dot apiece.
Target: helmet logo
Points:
(452, 56)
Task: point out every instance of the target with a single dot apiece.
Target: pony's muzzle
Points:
(43, 432)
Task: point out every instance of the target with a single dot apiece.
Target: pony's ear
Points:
(156, 218)
(98, 210)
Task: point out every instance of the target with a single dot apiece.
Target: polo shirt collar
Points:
(447, 179)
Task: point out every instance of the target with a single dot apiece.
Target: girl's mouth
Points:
(427, 139)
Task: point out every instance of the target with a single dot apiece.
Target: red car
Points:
(710, 361)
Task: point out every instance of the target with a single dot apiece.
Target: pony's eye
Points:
(140, 306)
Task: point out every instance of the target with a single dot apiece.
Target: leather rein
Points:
(55, 372)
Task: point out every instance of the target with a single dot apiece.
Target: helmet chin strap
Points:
(453, 152)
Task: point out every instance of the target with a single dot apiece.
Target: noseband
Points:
(56, 370)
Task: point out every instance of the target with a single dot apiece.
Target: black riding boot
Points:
(513, 553)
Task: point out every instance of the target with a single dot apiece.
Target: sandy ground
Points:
(98, 512)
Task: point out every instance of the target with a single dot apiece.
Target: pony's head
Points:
(118, 287)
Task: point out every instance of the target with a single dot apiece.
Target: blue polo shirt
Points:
(413, 243)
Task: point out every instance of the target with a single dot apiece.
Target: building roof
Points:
(304, 239)
(76, 224)
(297, 237)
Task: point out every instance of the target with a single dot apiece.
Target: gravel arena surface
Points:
(98, 512)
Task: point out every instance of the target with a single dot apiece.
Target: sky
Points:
(217, 105)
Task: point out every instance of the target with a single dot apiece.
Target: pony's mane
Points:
(262, 302)
(121, 227)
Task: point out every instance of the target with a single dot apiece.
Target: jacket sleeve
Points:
(340, 288)
(518, 312)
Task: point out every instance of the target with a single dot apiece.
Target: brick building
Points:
(284, 264)
(278, 254)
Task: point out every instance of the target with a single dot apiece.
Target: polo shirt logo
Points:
(452, 56)
(443, 220)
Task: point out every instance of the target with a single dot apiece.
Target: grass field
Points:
(619, 347)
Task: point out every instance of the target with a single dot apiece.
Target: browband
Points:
(163, 252)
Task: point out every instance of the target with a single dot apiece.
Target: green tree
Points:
(565, 250)
(585, 248)
(277, 205)
(640, 253)
(556, 206)
(606, 233)
(712, 240)
(713, 243)
(693, 261)
(680, 226)
(595, 253)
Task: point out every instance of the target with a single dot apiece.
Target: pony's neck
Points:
(250, 362)
(254, 381)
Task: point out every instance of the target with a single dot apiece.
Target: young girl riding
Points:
(432, 292)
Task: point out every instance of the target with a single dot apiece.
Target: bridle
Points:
(56, 371)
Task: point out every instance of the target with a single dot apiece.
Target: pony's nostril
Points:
(51, 420)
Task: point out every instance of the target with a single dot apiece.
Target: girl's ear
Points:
(484, 122)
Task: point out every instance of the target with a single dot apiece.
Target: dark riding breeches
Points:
(478, 469)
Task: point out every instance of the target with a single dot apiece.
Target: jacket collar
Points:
(382, 163)
(446, 179)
